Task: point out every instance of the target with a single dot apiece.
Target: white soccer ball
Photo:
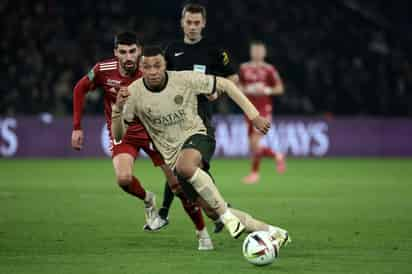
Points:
(259, 248)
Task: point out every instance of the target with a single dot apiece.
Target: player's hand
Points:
(77, 139)
(261, 124)
(121, 97)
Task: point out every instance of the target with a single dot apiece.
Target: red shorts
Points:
(133, 148)
(265, 112)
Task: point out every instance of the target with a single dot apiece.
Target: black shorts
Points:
(205, 144)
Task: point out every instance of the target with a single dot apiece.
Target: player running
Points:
(166, 103)
(110, 76)
(259, 81)
(197, 53)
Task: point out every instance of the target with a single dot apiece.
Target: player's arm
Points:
(276, 84)
(82, 87)
(228, 87)
(119, 126)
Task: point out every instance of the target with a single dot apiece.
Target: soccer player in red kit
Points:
(110, 76)
(260, 81)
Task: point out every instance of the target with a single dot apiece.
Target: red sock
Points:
(267, 152)
(135, 188)
(193, 211)
(256, 162)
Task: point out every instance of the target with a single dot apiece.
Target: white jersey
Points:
(170, 115)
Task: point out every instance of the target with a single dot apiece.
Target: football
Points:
(259, 248)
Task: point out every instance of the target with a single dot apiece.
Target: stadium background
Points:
(347, 69)
(337, 58)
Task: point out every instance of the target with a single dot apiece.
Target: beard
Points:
(130, 67)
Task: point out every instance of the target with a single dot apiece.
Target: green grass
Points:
(68, 216)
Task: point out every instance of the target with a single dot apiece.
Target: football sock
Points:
(267, 152)
(249, 222)
(135, 188)
(193, 211)
(256, 162)
(204, 186)
(168, 196)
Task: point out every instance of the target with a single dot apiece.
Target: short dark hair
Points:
(257, 43)
(126, 38)
(150, 51)
(194, 8)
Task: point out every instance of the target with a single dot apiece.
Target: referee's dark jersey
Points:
(204, 57)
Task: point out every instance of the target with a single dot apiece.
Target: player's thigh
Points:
(123, 160)
(197, 151)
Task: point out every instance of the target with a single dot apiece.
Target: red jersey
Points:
(254, 79)
(105, 77)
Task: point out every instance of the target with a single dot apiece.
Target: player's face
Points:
(257, 53)
(154, 68)
(128, 56)
(192, 25)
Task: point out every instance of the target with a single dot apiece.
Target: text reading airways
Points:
(294, 138)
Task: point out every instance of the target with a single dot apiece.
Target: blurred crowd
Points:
(335, 57)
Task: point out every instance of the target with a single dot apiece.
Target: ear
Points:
(115, 52)
(181, 22)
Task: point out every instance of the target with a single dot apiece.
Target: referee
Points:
(198, 54)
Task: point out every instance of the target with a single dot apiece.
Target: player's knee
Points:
(185, 169)
(124, 179)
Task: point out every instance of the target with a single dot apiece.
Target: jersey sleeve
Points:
(201, 83)
(82, 87)
(168, 56)
(273, 78)
(242, 75)
(224, 64)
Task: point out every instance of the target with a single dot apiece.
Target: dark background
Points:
(336, 57)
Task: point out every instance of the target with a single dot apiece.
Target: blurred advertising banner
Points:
(45, 136)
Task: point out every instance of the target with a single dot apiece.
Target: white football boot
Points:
(280, 235)
(205, 242)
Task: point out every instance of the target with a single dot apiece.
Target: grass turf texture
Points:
(68, 216)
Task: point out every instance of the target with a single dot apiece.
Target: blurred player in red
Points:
(109, 76)
(260, 81)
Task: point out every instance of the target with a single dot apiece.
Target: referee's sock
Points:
(168, 197)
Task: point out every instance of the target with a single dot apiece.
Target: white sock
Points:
(227, 216)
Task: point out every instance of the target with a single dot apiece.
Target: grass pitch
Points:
(68, 216)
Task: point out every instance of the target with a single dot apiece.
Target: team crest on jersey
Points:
(178, 99)
(113, 83)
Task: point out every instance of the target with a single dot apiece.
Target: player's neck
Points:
(257, 63)
(192, 42)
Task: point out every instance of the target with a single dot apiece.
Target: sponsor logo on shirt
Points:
(168, 119)
(225, 58)
(113, 83)
(179, 53)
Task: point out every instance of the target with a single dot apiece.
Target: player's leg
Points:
(123, 161)
(167, 201)
(196, 149)
(251, 224)
(254, 146)
(194, 212)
